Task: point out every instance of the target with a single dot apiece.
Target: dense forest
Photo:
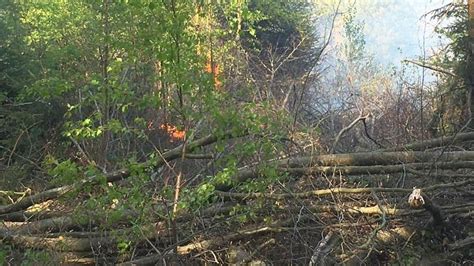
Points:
(142, 132)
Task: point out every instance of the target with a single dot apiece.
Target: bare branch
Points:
(431, 67)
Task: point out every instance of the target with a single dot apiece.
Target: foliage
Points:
(28, 127)
(104, 85)
(452, 110)
(355, 44)
(35, 257)
(89, 87)
(12, 50)
(4, 252)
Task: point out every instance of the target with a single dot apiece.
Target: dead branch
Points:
(57, 192)
(271, 241)
(14, 194)
(316, 257)
(349, 127)
(276, 227)
(383, 237)
(284, 226)
(431, 67)
(469, 241)
(34, 199)
(380, 227)
(205, 244)
(199, 156)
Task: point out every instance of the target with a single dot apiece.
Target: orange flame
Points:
(213, 68)
(173, 132)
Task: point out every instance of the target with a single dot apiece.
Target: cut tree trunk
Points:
(437, 142)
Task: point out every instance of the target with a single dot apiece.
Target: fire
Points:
(213, 68)
(173, 132)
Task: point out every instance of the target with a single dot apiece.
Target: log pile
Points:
(331, 209)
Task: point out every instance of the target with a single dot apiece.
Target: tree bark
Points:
(470, 62)
(360, 164)
(437, 142)
(375, 158)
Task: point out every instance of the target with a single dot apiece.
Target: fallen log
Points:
(34, 199)
(59, 243)
(437, 142)
(357, 163)
(55, 224)
(376, 210)
(288, 225)
(387, 236)
(337, 190)
(214, 241)
(469, 241)
(375, 158)
(322, 249)
(28, 215)
(64, 221)
(86, 241)
(360, 163)
(374, 169)
(57, 192)
(76, 258)
(178, 151)
(245, 174)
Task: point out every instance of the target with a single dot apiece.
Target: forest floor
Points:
(316, 218)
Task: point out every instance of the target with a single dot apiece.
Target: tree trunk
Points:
(470, 62)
